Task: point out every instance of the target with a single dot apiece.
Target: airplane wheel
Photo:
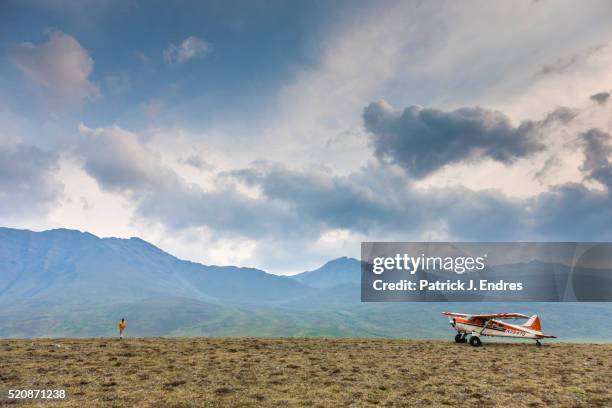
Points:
(538, 343)
(459, 338)
(475, 341)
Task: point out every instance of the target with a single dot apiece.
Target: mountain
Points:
(82, 268)
(339, 271)
(65, 283)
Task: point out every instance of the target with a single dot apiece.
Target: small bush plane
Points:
(489, 325)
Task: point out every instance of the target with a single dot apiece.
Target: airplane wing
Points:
(502, 316)
(454, 314)
(489, 316)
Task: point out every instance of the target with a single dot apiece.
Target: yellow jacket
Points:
(122, 325)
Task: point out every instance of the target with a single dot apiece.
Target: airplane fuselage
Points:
(494, 327)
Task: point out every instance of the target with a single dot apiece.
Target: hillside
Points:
(256, 372)
(59, 264)
(64, 283)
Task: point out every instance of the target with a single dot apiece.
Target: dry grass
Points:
(190, 372)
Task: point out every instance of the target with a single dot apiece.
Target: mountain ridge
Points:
(68, 283)
(67, 260)
(335, 272)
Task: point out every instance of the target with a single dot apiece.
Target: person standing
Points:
(122, 325)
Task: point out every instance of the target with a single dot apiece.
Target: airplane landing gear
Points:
(538, 343)
(460, 338)
(475, 341)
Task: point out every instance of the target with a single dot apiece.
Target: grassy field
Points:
(186, 372)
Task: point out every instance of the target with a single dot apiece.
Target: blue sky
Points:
(253, 47)
(282, 134)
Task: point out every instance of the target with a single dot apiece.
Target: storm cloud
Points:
(423, 140)
(288, 209)
(378, 200)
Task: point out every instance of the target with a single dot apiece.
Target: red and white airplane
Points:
(489, 325)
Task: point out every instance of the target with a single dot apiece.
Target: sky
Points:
(281, 135)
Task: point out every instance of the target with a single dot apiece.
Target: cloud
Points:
(60, 65)
(291, 210)
(601, 97)
(28, 185)
(196, 160)
(191, 47)
(379, 202)
(550, 165)
(320, 199)
(561, 115)
(563, 65)
(570, 212)
(423, 140)
(119, 162)
(597, 147)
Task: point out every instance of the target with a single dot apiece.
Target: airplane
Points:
(489, 325)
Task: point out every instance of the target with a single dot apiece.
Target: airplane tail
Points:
(534, 323)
